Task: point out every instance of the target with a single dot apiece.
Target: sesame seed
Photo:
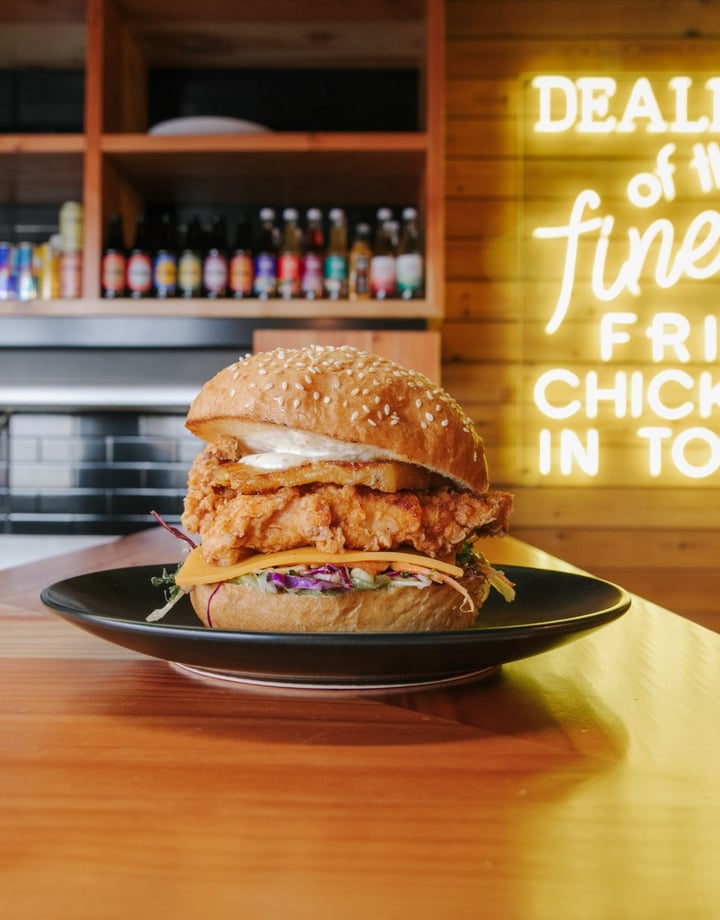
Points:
(316, 395)
(372, 422)
(444, 423)
(326, 399)
(429, 416)
(354, 416)
(418, 403)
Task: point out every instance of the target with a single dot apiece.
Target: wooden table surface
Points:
(583, 783)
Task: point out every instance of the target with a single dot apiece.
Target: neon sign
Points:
(625, 259)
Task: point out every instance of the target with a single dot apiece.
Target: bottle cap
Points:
(314, 214)
(267, 214)
(337, 215)
(409, 213)
(290, 214)
(384, 214)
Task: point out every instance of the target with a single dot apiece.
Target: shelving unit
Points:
(114, 165)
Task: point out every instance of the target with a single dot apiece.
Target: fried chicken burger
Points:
(337, 491)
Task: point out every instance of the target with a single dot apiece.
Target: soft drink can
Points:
(27, 288)
(6, 269)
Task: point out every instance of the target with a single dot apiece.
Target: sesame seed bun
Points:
(338, 399)
(233, 606)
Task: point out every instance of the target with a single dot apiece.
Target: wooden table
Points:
(581, 784)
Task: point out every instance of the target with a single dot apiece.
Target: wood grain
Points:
(579, 783)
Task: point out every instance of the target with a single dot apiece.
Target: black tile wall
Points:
(91, 473)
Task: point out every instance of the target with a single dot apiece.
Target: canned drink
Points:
(71, 226)
(48, 271)
(27, 288)
(6, 270)
(71, 275)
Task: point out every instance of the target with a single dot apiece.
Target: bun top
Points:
(340, 403)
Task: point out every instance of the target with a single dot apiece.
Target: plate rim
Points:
(598, 616)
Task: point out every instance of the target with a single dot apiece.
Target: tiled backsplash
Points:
(91, 472)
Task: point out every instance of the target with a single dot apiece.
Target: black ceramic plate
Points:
(551, 608)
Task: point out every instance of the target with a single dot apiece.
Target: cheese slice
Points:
(195, 571)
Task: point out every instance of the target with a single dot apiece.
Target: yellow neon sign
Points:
(627, 262)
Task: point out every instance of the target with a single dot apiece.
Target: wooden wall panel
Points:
(661, 539)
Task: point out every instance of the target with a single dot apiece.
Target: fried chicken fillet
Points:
(333, 517)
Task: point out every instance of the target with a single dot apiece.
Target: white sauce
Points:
(282, 449)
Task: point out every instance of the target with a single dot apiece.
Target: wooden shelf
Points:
(308, 169)
(41, 168)
(116, 166)
(225, 309)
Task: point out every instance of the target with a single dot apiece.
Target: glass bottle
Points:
(336, 257)
(311, 285)
(114, 260)
(290, 259)
(215, 262)
(241, 261)
(165, 260)
(265, 274)
(409, 261)
(382, 263)
(359, 264)
(139, 263)
(190, 262)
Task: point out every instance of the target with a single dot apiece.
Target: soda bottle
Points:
(189, 272)
(215, 263)
(311, 284)
(359, 264)
(289, 261)
(336, 257)
(409, 261)
(114, 260)
(265, 280)
(139, 263)
(241, 262)
(382, 263)
(165, 260)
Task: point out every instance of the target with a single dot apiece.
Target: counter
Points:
(581, 783)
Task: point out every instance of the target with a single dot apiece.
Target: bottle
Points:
(189, 272)
(240, 269)
(409, 261)
(311, 284)
(114, 260)
(382, 263)
(359, 264)
(165, 260)
(215, 263)
(265, 280)
(290, 259)
(139, 263)
(336, 257)
(71, 223)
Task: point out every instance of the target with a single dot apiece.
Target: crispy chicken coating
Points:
(333, 517)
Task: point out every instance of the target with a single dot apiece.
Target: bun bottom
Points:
(231, 606)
